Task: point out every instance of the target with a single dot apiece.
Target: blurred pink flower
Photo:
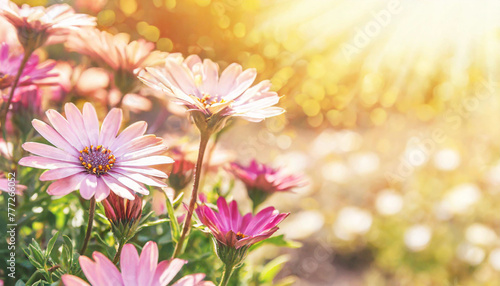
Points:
(182, 170)
(96, 162)
(143, 270)
(33, 72)
(8, 34)
(235, 231)
(261, 180)
(4, 185)
(265, 178)
(94, 6)
(36, 25)
(116, 51)
(196, 85)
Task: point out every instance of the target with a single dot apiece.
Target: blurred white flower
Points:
(364, 163)
(417, 237)
(389, 202)
(493, 175)
(336, 172)
(495, 259)
(352, 221)
(470, 253)
(459, 199)
(480, 234)
(447, 159)
(303, 224)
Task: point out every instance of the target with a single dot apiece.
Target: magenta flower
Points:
(36, 25)
(32, 74)
(143, 270)
(262, 181)
(235, 231)
(196, 85)
(96, 162)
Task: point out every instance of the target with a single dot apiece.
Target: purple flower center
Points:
(97, 160)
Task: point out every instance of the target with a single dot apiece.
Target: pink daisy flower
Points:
(36, 25)
(96, 162)
(116, 51)
(143, 270)
(265, 178)
(197, 85)
(261, 180)
(231, 229)
(33, 72)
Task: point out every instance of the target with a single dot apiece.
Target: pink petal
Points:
(117, 188)
(75, 119)
(260, 218)
(110, 127)
(169, 271)
(91, 122)
(44, 163)
(133, 131)
(92, 273)
(109, 271)
(227, 79)
(52, 136)
(147, 264)
(243, 82)
(126, 181)
(49, 152)
(147, 161)
(70, 280)
(224, 214)
(145, 171)
(60, 173)
(102, 190)
(211, 76)
(138, 143)
(129, 263)
(88, 187)
(62, 126)
(66, 185)
(155, 150)
(192, 280)
(140, 178)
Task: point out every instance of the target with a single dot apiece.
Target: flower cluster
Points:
(117, 167)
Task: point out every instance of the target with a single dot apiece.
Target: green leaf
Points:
(178, 200)
(272, 268)
(278, 241)
(174, 225)
(153, 223)
(50, 245)
(36, 255)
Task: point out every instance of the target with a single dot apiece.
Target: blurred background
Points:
(393, 115)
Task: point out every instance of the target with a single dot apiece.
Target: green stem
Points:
(89, 225)
(205, 136)
(33, 277)
(27, 55)
(228, 271)
(119, 251)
